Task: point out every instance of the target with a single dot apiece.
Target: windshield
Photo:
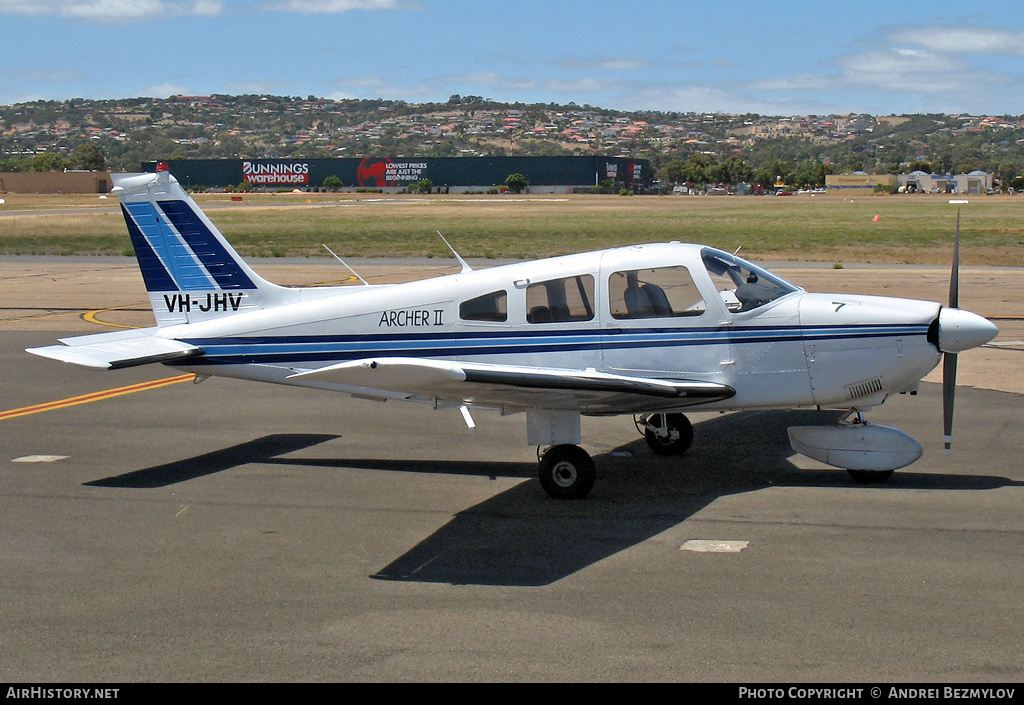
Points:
(742, 285)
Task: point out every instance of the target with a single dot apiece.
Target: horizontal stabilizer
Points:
(112, 351)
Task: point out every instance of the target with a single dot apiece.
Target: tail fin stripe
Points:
(207, 248)
(154, 273)
(174, 254)
(191, 271)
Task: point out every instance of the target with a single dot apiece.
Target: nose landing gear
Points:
(666, 434)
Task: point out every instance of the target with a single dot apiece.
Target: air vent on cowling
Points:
(863, 389)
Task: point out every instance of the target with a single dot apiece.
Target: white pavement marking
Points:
(712, 546)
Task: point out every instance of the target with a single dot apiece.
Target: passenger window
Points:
(561, 300)
(661, 292)
(489, 307)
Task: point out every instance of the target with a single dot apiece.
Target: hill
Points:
(133, 130)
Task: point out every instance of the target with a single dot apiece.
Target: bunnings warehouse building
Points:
(450, 174)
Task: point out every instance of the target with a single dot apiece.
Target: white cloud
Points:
(796, 82)
(604, 63)
(385, 88)
(259, 88)
(142, 10)
(165, 90)
(906, 70)
(911, 69)
(112, 10)
(460, 83)
(938, 69)
(963, 40)
(719, 98)
(582, 86)
(337, 6)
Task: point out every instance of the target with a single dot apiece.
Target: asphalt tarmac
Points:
(231, 531)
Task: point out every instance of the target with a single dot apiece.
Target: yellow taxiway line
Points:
(90, 316)
(95, 396)
(42, 317)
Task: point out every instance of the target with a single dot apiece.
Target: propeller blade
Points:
(948, 393)
(949, 359)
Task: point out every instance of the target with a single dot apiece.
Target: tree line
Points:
(85, 157)
(702, 169)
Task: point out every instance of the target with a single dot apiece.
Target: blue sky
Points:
(773, 58)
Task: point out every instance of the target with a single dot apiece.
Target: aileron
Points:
(511, 385)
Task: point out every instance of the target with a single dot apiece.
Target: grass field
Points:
(909, 229)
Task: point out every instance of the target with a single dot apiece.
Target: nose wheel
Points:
(567, 472)
(666, 434)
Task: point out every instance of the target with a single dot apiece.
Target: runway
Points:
(229, 531)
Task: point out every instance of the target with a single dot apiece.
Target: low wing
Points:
(112, 351)
(514, 386)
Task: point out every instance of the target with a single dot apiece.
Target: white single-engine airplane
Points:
(648, 330)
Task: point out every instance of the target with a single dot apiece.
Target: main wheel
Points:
(567, 472)
(870, 477)
(668, 434)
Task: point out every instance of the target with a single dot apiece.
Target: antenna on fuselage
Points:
(465, 266)
(345, 264)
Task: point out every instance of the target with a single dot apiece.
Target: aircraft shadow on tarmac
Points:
(259, 450)
(521, 537)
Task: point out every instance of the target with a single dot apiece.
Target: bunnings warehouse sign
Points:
(276, 173)
(375, 173)
(401, 172)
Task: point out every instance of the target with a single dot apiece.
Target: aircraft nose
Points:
(961, 330)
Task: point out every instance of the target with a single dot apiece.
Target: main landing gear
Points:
(568, 472)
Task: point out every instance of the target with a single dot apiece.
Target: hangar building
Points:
(915, 182)
(977, 182)
(454, 174)
(859, 181)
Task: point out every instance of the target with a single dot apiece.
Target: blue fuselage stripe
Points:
(298, 349)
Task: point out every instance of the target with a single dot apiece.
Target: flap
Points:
(518, 386)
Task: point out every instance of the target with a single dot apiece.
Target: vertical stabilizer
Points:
(191, 272)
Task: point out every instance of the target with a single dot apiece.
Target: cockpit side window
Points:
(489, 307)
(659, 292)
(561, 300)
(743, 286)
